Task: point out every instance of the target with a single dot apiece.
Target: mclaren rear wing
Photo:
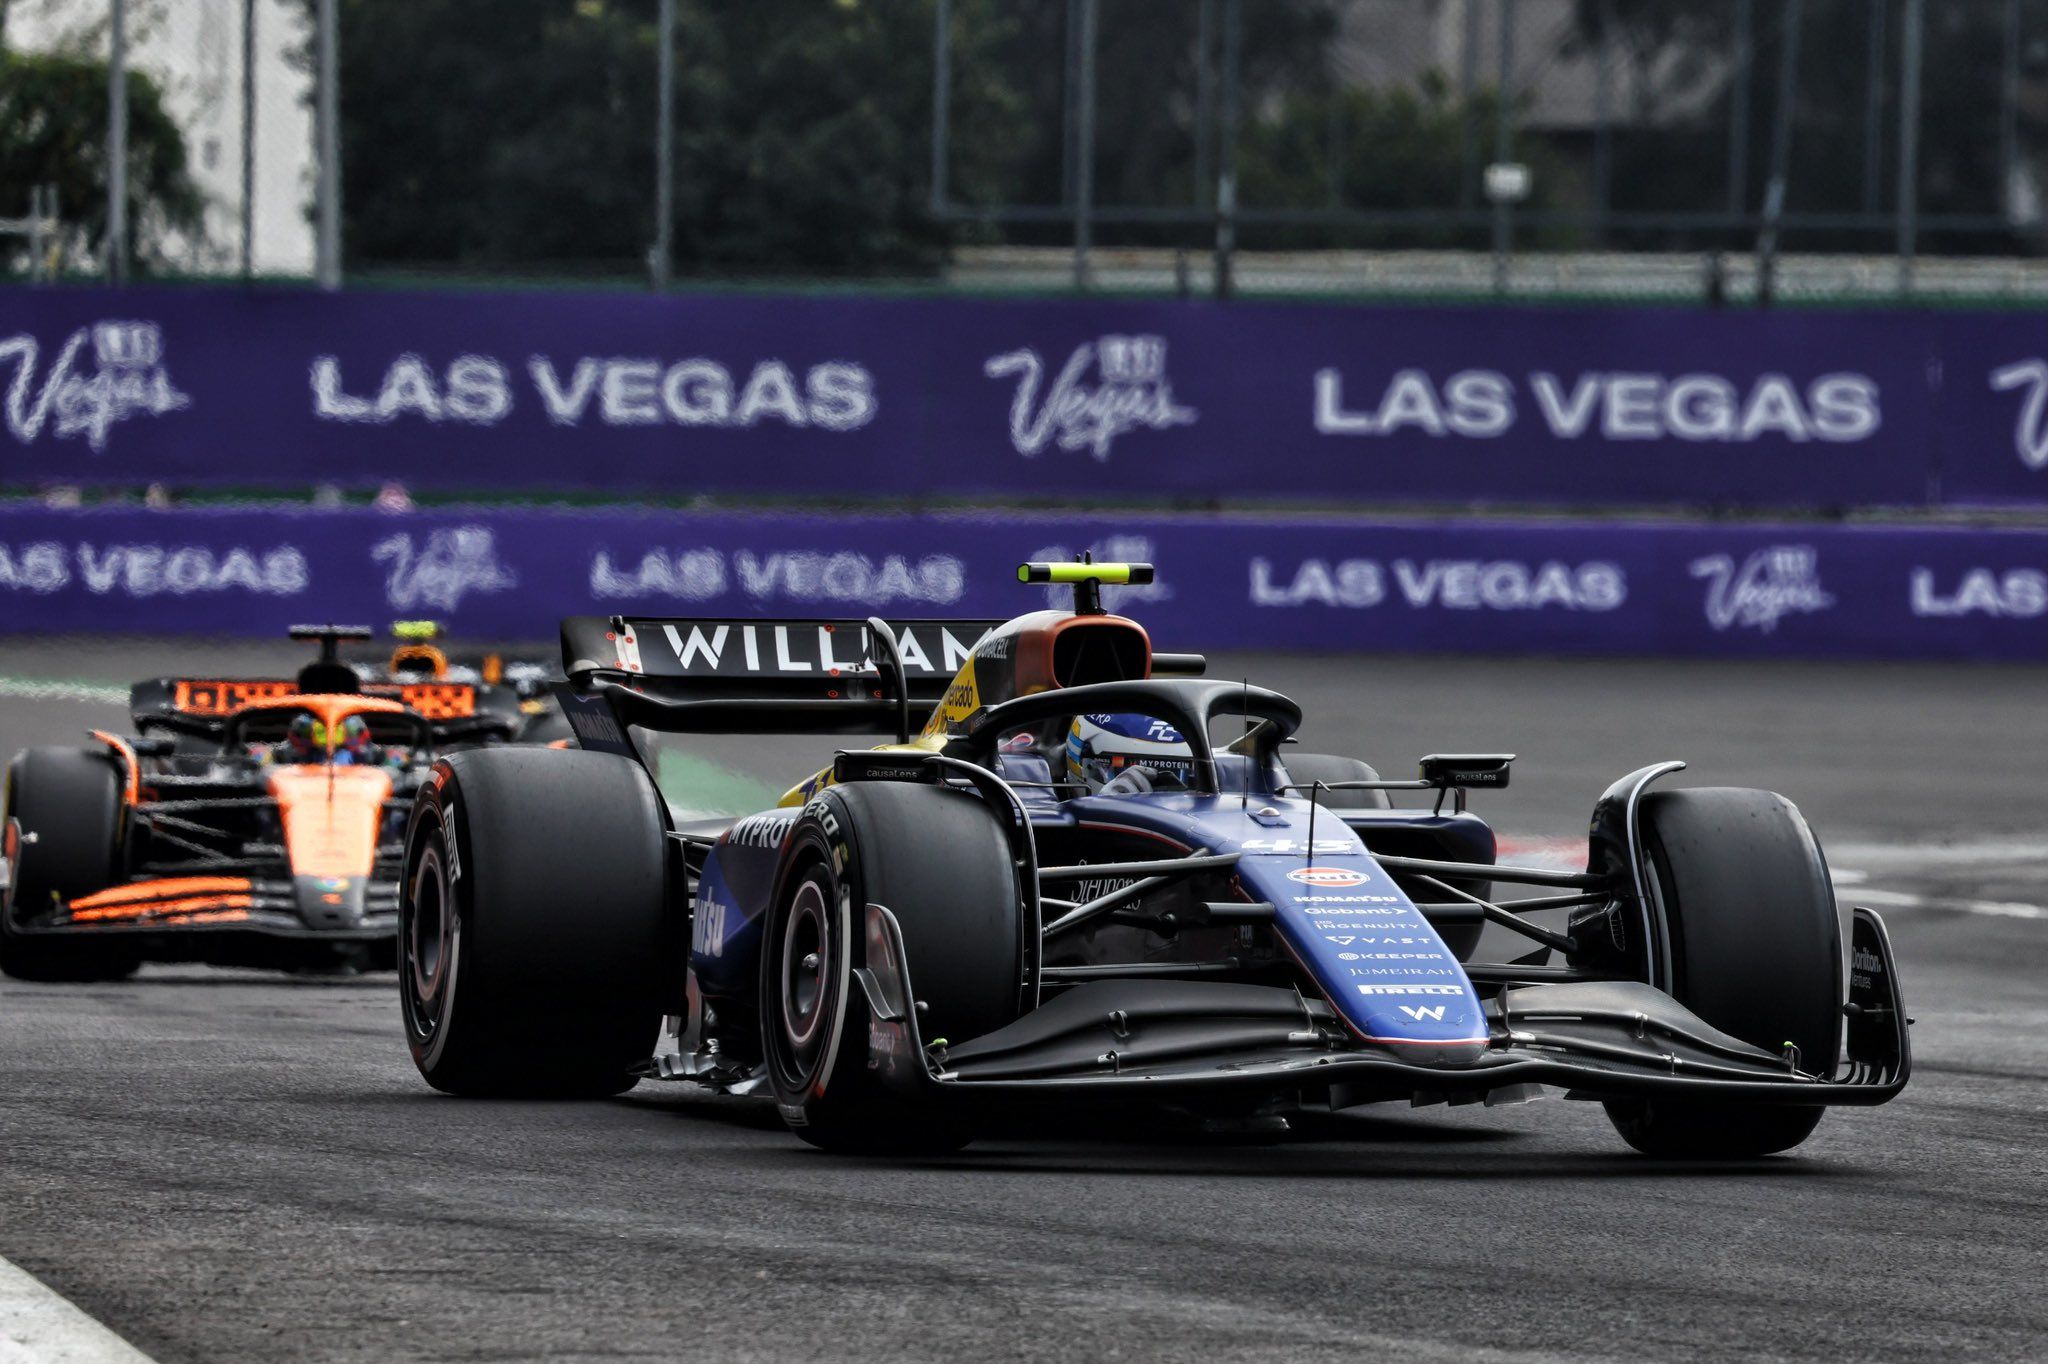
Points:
(732, 676)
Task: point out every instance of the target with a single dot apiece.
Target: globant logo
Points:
(1771, 584)
(1131, 394)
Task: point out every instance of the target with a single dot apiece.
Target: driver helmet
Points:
(354, 739)
(1101, 748)
(306, 737)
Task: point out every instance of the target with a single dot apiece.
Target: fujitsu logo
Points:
(1131, 393)
(128, 380)
(1772, 583)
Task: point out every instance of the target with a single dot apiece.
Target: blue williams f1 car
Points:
(1083, 873)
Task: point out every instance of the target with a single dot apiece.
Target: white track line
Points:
(37, 1326)
(36, 689)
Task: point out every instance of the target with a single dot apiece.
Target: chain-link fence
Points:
(1717, 147)
(217, 132)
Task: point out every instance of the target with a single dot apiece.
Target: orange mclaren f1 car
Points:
(250, 821)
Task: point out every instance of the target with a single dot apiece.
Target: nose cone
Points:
(330, 901)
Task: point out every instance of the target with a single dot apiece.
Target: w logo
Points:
(1433, 1012)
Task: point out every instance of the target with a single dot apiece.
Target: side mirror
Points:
(1465, 770)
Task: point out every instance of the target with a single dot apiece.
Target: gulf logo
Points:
(1328, 876)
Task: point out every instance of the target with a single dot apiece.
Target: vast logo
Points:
(440, 573)
(1779, 581)
(1131, 394)
(128, 380)
(1328, 876)
(2030, 430)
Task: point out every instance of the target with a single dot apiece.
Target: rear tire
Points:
(1756, 951)
(532, 923)
(938, 860)
(67, 804)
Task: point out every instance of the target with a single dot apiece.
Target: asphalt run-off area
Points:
(225, 1165)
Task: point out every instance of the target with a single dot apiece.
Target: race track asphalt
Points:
(232, 1166)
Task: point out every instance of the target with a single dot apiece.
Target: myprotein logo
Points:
(2030, 425)
(440, 572)
(1130, 392)
(1771, 584)
(126, 379)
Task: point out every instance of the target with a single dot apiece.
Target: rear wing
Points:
(734, 676)
(203, 705)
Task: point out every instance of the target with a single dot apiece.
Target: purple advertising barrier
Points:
(1992, 409)
(1113, 400)
(1463, 585)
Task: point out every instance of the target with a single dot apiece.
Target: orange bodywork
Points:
(331, 815)
(197, 696)
(440, 700)
(131, 790)
(217, 898)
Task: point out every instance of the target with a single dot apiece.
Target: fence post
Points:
(1738, 108)
(1909, 141)
(329, 250)
(1503, 146)
(661, 255)
(248, 139)
(2009, 107)
(117, 143)
(1468, 93)
(942, 98)
(1603, 125)
(1226, 151)
(1781, 154)
(1205, 96)
(1873, 106)
(1084, 169)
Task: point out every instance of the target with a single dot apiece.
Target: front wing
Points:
(1184, 1042)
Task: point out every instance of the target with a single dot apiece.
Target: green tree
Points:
(1398, 149)
(1677, 56)
(53, 122)
(522, 135)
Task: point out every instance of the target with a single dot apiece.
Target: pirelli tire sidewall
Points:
(938, 860)
(534, 923)
(62, 815)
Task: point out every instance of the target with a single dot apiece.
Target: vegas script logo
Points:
(126, 379)
(1130, 392)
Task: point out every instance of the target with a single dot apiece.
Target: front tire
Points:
(938, 860)
(67, 808)
(1756, 951)
(532, 923)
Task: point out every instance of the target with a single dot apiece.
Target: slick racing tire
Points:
(938, 860)
(1756, 950)
(532, 923)
(66, 804)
